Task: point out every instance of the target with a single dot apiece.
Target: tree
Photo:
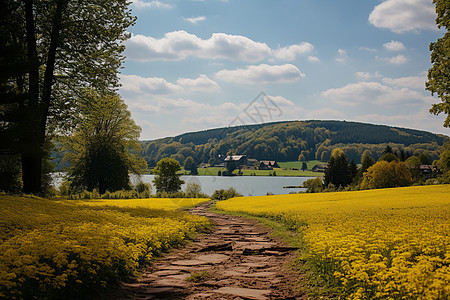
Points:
(366, 162)
(352, 170)
(438, 75)
(389, 157)
(313, 185)
(51, 51)
(336, 171)
(193, 189)
(189, 161)
(167, 180)
(413, 163)
(444, 161)
(99, 148)
(425, 158)
(193, 169)
(385, 174)
(304, 166)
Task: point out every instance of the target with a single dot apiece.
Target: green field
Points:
(284, 170)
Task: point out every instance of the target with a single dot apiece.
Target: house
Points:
(234, 162)
(427, 170)
(252, 164)
(268, 165)
(319, 168)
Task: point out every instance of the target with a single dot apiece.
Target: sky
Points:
(193, 65)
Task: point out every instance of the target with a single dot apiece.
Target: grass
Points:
(198, 276)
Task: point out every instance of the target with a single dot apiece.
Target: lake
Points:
(245, 185)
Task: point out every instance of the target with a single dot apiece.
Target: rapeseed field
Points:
(152, 203)
(376, 244)
(52, 249)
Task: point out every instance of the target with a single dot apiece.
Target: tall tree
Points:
(99, 148)
(337, 170)
(167, 180)
(55, 50)
(439, 74)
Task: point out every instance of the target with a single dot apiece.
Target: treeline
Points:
(291, 141)
(393, 169)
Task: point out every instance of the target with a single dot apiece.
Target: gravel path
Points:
(236, 260)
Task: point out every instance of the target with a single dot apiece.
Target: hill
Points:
(286, 141)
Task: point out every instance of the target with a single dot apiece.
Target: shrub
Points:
(385, 174)
(225, 194)
(313, 185)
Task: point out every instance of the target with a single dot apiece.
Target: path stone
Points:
(236, 260)
(244, 292)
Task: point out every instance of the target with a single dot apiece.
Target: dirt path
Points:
(237, 260)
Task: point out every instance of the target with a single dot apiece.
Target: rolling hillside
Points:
(286, 141)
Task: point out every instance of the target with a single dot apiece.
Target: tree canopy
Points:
(439, 74)
(51, 51)
(338, 172)
(385, 174)
(98, 149)
(166, 179)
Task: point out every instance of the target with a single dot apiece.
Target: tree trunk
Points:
(31, 142)
(31, 172)
(35, 137)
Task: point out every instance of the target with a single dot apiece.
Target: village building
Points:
(252, 164)
(234, 162)
(319, 168)
(268, 165)
(427, 170)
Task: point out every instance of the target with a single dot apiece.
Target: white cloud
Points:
(313, 59)
(290, 53)
(363, 75)
(368, 49)
(159, 86)
(366, 75)
(397, 60)
(178, 45)
(200, 84)
(261, 74)
(412, 82)
(341, 56)
(394, 46)
(195, 20)
(404, 15)
(153, 85)
(374, 93)
(151, 4)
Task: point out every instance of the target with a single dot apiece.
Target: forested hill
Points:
(286, 141)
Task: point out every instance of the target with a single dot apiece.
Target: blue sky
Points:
(193, 65)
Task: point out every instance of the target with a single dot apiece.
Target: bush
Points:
(385, 174)
(313, 185)
(225, 194)
(194, 190)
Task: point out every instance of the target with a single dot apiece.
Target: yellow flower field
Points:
(152, 203)
(375, 244)
(50, 249)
